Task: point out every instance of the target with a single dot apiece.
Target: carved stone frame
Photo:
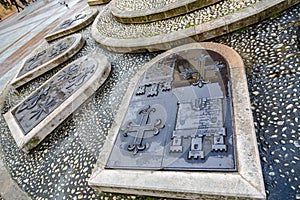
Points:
(246, 183)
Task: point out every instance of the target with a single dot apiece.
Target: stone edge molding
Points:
(97, 2)
(201, 32)
(76, 46)
(171, 10)
(246, 183)
(63, 32)
(40, 131)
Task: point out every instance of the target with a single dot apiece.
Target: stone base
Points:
(246, 183)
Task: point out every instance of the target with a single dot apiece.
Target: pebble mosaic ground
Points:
(109, 27)
(132, 5)
(60, 167)
(271, 52)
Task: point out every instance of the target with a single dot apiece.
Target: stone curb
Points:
(171, 10)
(97, 2)
(202, 32)
(246, 183)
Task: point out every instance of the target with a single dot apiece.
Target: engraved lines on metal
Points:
(47, 55)
(151, 86)
(208, 121)
(139, 130)
(209, 110)
(192, 89)
(188, 72)
(152, 89)
(46, 99)
(157, 79)
(67, 23)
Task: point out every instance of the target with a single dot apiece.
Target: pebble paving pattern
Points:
(61, 165)
(133, 5)
(271, 52)
(110, 27)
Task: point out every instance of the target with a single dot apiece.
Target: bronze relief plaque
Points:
(44, 60)
(49, 105)
(76, 22)
(179, 117)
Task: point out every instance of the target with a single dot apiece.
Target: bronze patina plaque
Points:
(49, 105)
(47, 59)
(179, 117)
(76, 22)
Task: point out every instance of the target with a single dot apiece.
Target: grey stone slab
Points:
(44, 60)
(41, 23)
(42, 111)
(14, 37)
(76, 22)
(246, 182)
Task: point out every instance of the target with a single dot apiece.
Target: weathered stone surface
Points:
(43, 110)
(246, 183)
(74, 23)
(45, 60)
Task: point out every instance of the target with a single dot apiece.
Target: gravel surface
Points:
(134, 5)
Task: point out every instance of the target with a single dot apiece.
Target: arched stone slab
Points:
(159, 12)
(47, 59)
(48, 106)
(74, 23)
(97, 2)
(246, 182)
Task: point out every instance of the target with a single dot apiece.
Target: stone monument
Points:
(43, 110)
(185, 130)
(47, 59)
(74, 23)
(179, 118)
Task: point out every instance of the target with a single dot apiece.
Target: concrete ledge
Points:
(75, 24)
(66, 98)
(160, 13)
(246, 183)
(44, 67)
(97, 2)
(202, 32)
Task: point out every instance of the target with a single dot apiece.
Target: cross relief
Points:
(139, 130)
